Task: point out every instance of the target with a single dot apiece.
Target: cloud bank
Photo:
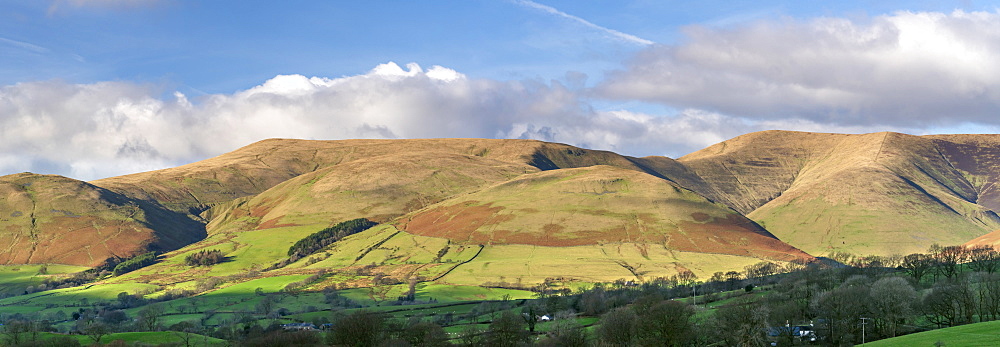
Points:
(907, 72)
(905, 69)
(90, 131)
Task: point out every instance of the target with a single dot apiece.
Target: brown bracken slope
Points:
(54, 219)
(596, 205)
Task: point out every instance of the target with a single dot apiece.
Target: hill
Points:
(383, 179)
(977, 334)
(54, 219)
(882, 193)
(259, 166)
(595, 205)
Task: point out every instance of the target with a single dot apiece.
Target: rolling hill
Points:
(54, 219)
(385, 180)
(882, 193)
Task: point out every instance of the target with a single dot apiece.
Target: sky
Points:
(98, 88)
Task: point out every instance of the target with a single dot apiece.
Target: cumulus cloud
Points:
(905, 70)
(91, 131)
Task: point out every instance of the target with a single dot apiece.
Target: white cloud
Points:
(906, 69)
(98, 130)
(90, 131)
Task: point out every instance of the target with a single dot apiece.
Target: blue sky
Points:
(94, 88)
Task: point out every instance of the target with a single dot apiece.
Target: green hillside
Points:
(883, 193)
(978, 334)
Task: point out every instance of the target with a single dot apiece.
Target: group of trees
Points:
(204, 258)
(134, 263)
(316, 241)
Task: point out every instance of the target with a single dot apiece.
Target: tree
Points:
(665, 323)
(316, 241)
(949, 305)
(425, 334)
(361, 328)
(744, 323)
(989, 299)
(18, 331)
(593, 301)
(983, 258)
(947, 259)
(135, 263)
(204, 258)
(185, 331)
(841, 309)
(617, 327)
(891, 302)
(471, 336)
(96, 330)
(917, 265)
(566, 331)
(507, 330)
(148, 318)
(761, 269)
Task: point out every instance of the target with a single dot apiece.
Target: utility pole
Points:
(864, 321)
(694, 294)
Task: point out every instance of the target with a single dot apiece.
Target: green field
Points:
(978, 334)
(14, 279)
(153, 338)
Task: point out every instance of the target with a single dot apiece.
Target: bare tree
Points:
(947, 259)
(917, 265)
(507, 330)
(983, 258)
(617, 327)
(744, 321)
(841, 309)
(96, 330)
(149, 317)
(949, 305)
(18, 331)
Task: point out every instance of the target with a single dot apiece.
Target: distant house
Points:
(299, 326)
(797, 334)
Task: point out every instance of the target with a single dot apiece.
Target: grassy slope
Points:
(153, 338)
(15, 278)
(362, 178)
(594, 206)
(54, 219)
(878, 193)
(978, 334)
(561, 224)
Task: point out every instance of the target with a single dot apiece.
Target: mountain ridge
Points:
(880, 193)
